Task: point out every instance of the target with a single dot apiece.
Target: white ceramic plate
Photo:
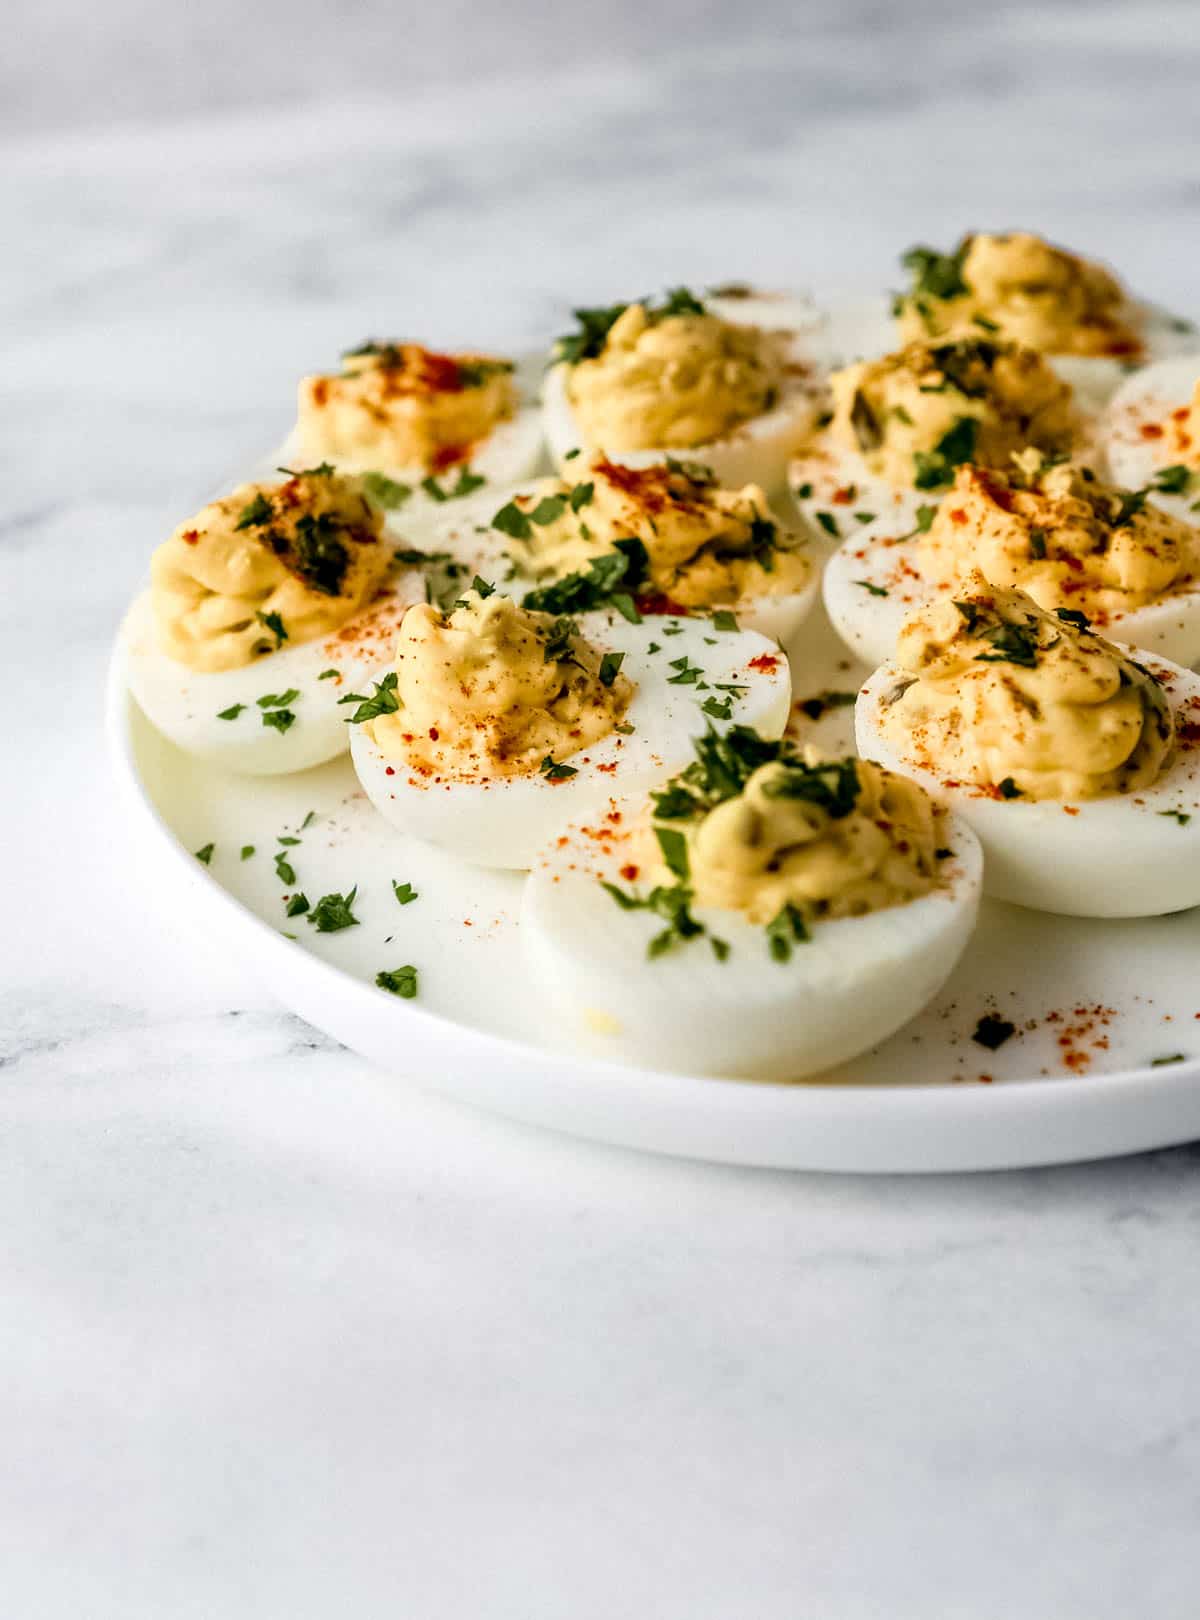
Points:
(1119, 994)
(1094, 1004)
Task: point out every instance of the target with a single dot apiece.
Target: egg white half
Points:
(1139, 434)
(504, 821)
(1128, 855)
(855, 982)
(755, 452)
(185, 705)
(869, 623)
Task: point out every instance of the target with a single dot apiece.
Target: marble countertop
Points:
(280, 1336)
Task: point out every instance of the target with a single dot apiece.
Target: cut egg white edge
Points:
(851, 985)
(1127, 855)
(1146, 400)
(869, 623)
(467, 535)
(503, 821)
(755, 452)
(185, 704)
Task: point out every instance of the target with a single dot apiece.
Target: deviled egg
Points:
(1018, 286)
(261, 609)
(422, 426)
(901, 426)
(497, 722)
(1150, 434)
(766, 914)
(1077, 764)
(636, 382)
(1051, 529)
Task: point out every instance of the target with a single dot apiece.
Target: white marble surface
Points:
(281, 1337)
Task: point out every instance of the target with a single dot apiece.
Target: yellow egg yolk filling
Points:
(1024, 703)
(491, 689)
(916, 415)
(1061, 535)
(266, 566)
(705, 546)
(398, 406)
(675, 381)
(1020, 287)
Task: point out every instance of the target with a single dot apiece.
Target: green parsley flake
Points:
(332, 912)
(382, 701)
(273, 623)
(722, 619)
(297, 905)
(829, 523)
(555, 772)
(205, 855)
(610, 666)
(279, 719)
(247, 851)
(278, 700)
(874, 590)
(400, 981)
(256, 514)
(404, 892)
(231, 713)
(386, 492)
(284, 870)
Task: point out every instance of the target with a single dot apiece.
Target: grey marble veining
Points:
(279, 1337)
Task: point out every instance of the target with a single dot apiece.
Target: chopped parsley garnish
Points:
(992, 1032)
(404, 892)
(1074, 617)
(625, 729)
(1011, 643)
(594, 325)
(466, 484)
(1008, 789)
(933, 468)
(548, 510)
(1174, 480)
(686, 673)
(205, 855)
(400, 981)
(275, 625)
(605, 582)
(286, 841)
(581, 495)
(328, 674)
(722, 619)
(1171, 1057)
(558, 643)
(829, 523)
(256, 514)
(284, 870)
(332, 912)
(610, 666)
(804, 492)
(297, 905)
(718, 708)
(247, 851)
(934, 274)
(786, 928)
(1180, 816)
(277, 700)
(512, 521)
(279, 719)
(231, 713)
(383, 700)
(319, 555)
(1129, 503)
(385, 491)
(873, 590)
(553, 771)
(864, 517)
(674, 850)
(308, 820)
